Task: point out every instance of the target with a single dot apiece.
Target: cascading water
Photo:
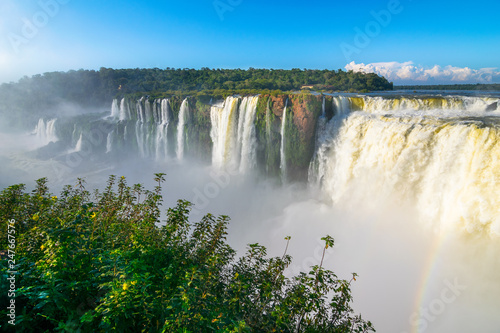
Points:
(45, 132)
(327, 131)
(223, 133)
(109, 142)
(233, 133)
(246, 133)
(78, 145)
(163, 119)
(124, 110)
(445, 166)
(268, 133)
(454, 103)
(139, 128)
(283, 166)
(183, 115)
(115, 109)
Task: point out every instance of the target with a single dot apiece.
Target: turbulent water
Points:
(283, 166)
(183, 117)
(233, 134)
(445, 160)
(409, 186)
(45, 132)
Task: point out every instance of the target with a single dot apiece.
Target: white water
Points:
(115, 109)
(45, 132)
(233, 134)
(283, 166)
(449, 169)
(163, 119)
(109, 142)
(139, 128)
(246, 134)
(78, 145)
(183, 115)
(124, 110)
(458, 104)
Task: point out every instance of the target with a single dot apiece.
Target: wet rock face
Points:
(303, 110)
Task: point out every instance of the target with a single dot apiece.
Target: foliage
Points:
(102, 262)
(95, 89)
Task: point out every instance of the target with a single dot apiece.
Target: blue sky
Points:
(413, 41)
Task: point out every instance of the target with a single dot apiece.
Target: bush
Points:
(103, 262)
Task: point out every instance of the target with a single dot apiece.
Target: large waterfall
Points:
(233, 133)
(115, 109)
(183, 115)
(162, 120)
(151, 127)
(45, 131)
(444, 161)
(423, 103)
(283, 166)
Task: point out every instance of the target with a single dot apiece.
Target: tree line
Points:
(90, 88)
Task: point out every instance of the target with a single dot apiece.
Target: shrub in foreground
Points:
(103, 261)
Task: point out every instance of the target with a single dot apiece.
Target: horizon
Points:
(397, 39)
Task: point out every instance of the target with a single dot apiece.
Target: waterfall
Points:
(109, 142)
(223, 133)
(246, 133)
(163, 119)
(45, 132)
(115, 109)
(423, 104)
(327, 132)
(268, 134)
(233, 134)
(139, 128)
(148, 111)
(124, 110)
(283, 166)
(78, 145)
(448, 168)
(183, 114)
(342, 105)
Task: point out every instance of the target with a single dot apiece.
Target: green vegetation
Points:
(40, 94)
(102, 262)
(478, 86)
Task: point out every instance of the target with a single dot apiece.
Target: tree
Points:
(103, 262)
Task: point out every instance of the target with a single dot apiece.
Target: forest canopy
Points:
(90, 88)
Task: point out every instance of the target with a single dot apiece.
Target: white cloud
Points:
(407, 72)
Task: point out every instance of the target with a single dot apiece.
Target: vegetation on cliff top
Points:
(103, 262)
(89, 88)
